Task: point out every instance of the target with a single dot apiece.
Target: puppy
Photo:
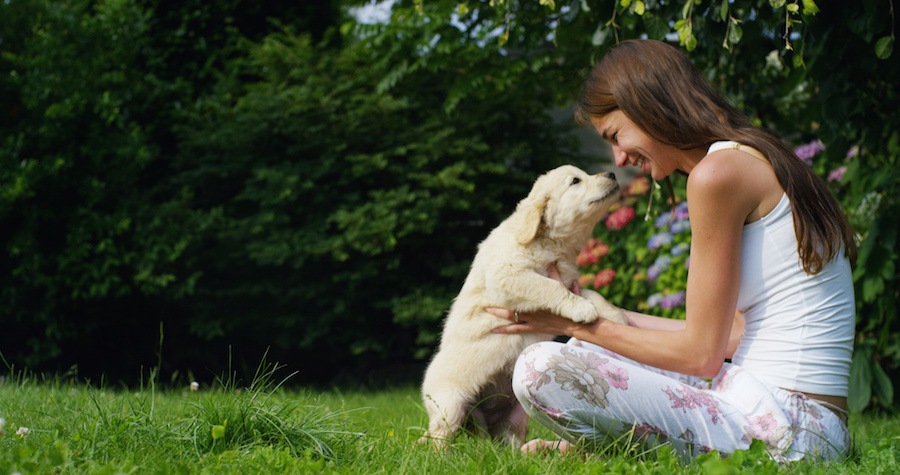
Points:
(469, 381)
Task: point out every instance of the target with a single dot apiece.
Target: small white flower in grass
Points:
(2, 426)
(195, 386)
(22, 432)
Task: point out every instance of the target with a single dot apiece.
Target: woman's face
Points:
(632, 146)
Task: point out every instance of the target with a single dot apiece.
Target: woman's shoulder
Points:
(728, 178)
(747, 183)
(719, 169)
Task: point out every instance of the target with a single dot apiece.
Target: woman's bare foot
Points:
(540, 446)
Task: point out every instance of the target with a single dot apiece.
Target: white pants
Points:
(587, 394)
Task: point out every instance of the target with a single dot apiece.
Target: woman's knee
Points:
(530, 372)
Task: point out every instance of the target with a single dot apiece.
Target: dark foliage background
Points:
(240, 176)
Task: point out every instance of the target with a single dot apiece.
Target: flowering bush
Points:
(639, 264)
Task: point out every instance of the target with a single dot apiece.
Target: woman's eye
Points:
(575, 181)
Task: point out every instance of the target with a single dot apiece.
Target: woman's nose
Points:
(620, 157)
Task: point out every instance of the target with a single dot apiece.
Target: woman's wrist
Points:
(593, 332)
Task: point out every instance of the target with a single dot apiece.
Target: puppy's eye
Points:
(575, 181)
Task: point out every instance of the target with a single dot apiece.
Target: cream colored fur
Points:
(469, 378)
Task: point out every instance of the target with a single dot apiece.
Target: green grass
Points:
(265, 428)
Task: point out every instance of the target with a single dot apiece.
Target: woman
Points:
(769, 287)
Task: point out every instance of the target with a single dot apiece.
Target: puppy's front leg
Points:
(529, 291)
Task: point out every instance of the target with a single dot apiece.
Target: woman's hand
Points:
(539, 321)
(535, 322)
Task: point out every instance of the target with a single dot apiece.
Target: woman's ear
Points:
(531, 214)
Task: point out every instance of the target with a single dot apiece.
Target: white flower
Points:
(195, 386)
(774, 61)
(22, 432)
(2, 426)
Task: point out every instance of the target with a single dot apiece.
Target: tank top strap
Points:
(729, 144)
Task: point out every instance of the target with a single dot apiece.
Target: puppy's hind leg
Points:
(446, 414)
(513, 428)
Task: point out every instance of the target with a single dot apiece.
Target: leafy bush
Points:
(279, 193)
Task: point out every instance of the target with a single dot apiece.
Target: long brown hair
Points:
(657, 87)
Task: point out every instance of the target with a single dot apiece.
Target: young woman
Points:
(769, 287)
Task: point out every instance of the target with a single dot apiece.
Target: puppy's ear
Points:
(531, 213)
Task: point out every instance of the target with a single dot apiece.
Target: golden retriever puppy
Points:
(469, 381)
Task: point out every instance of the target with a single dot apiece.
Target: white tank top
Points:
(799, 327)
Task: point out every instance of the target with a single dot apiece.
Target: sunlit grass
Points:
(264, 427)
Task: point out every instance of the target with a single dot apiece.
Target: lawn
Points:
(264, 428)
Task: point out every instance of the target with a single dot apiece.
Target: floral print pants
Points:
(587, 394)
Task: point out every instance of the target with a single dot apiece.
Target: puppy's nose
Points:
(610, 175)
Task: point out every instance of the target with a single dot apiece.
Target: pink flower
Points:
(591, 253)
(617, 377)
(604, 278)
(586, 257)
(809, 151)
(837, 174)
(620, 218)
(762, 427)
(534, 377)
(638, 186)
(585, 279)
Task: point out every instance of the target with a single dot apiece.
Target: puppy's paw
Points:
(437, 444)
(607, 310)
(584, 311)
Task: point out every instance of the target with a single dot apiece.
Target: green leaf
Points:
(777, 3)
(735, 33)
(810, 7)
(882, 387)
(793, 8)
(655, 26)
(684, 32)
(638, 7)
(872, 288)
(884, 47)
(860, 380)
(691, 43)
(887, 271)
(218, 431)
(723, 10)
